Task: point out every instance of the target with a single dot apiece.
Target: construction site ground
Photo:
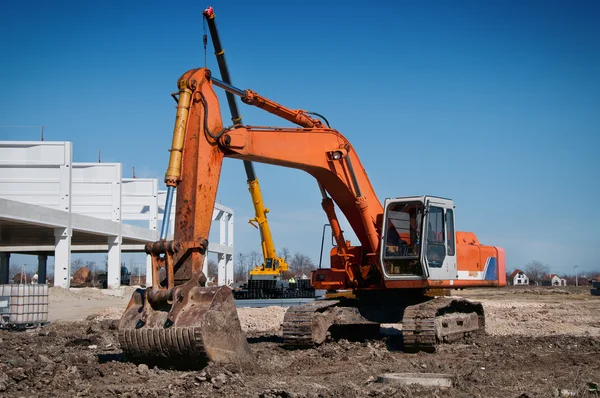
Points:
(540, 342)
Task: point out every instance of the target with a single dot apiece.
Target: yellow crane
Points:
(273, 266)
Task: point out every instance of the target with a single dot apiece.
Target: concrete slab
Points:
(422, 379)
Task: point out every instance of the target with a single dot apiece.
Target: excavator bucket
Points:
(184, 325)
(187, 328)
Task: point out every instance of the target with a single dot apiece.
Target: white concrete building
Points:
(50, 205)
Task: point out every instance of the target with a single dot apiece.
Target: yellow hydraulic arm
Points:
(272, 265)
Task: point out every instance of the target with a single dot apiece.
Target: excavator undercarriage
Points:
(426, 321)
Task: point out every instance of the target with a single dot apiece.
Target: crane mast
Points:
(272, 265)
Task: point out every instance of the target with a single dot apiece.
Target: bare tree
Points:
(212, 269)
(254, 259)
(300, 264)
(19, 274)
(76, 265)
(508, 281)
(50, 275)
(536, 271)
(285, 254)
(93, 267)
(240, 272)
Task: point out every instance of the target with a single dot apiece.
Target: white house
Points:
(518, 278)
(554, 280)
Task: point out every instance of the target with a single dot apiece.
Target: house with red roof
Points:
(518, 278)
(554, 280)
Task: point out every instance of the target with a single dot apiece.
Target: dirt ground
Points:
(540, 342)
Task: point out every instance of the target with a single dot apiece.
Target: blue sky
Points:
(493, 104)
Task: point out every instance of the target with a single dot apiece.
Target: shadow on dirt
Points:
(265, 339)
(112, 357)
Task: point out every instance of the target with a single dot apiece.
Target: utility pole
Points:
(576, 276)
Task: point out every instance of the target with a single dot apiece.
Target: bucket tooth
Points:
(204, 326)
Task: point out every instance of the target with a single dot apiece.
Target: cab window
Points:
(450, 229)
(436, 247)
(402, 244)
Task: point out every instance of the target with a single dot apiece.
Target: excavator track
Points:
(440, 320)
(306, 325)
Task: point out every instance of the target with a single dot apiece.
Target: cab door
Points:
(439, 239)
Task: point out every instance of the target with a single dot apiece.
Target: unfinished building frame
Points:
(50, 205)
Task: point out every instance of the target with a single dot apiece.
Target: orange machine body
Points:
(477, 266)
(329, 157)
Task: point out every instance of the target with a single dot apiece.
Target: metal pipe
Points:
(167, 215)
(323, 192)
(228, 87)
(353, 176)
(249, 97)
(322, 244)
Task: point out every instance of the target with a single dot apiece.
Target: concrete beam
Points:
(46, 217)
(217, 248)
(97, 248)
(32, 214)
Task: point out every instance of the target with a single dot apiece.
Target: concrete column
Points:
(148, 270)
(230, 230)
(62, 257)
(4, 268)
(153, 222)
(114, 262)
(229, 257)
(223, 241)
(205, 265)
(222, 270)
(223, 229)
(42, 268)
(229, 268)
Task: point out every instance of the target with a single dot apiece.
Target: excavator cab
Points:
(418, 240)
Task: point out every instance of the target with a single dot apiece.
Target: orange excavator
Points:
(408, 247)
